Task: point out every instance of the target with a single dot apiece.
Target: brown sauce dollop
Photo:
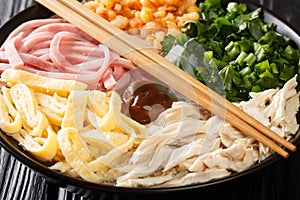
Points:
(145, 100)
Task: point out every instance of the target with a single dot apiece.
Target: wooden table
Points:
(281, 181)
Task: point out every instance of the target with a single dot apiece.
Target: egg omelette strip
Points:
(82, 132)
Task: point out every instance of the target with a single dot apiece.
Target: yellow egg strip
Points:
(98, 102)
(10, 122)
(8, 102)
(75, 110)
(52, 106)
(77, 154)
(115, 119)
(112, 155)
(55, 103)
(25, 103)
(40, 83)
(84, 131)
(53, 117)
(42, 123)
(33, 120)
(96, 138)
(43, 148)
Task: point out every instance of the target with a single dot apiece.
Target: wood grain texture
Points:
(281, 181)
(11, 7)
(18, 182)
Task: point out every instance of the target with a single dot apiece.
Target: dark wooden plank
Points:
(10, 8)
(16, 180)
(19, 182)
(282, 181)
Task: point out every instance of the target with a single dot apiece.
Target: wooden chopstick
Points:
(141, 55)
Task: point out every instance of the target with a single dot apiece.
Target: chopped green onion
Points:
(256, 88)
(236, 46)
(287, 72)
(250, 59)
(246, 71)
(240, 58)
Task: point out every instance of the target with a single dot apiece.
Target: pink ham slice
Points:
(55, 48)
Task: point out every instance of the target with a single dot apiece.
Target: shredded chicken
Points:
(185, 147)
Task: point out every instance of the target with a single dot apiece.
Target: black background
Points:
(281, 181)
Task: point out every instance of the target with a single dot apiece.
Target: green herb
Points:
(233, 51)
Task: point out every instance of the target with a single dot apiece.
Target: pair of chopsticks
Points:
(148, 60)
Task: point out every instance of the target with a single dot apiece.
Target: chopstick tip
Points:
(293, 148)
(285, 155)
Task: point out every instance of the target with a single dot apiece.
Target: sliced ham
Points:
(12, 53)
(55, 48)
(28, 27)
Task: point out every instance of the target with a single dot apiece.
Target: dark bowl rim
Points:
(66, 182)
